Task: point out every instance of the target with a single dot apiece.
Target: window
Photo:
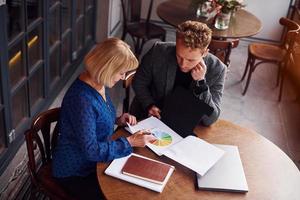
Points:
(66, 50)
(2, 129)
(2, 121)
(39, 56)
(14, 18)
(89, 26)
(16, 63)
(33, 10)
(54, 44)
(34, 47)
(79, 41)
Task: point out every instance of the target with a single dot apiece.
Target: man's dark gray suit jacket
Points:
(155, 79)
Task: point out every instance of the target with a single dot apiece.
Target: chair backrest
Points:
(294, 11)
(39, 135)
(126, 86)
(134, 10)
(222, 49)
(295, 51)
(289, 25)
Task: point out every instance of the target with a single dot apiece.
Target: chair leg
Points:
(246, 67)
(137, 47)
(164, 38)
(251, 70)
(278, 73)
(125, 105)
(123, 35)
(282, 73)
(33, 192)
(142, 45)
(126, 100)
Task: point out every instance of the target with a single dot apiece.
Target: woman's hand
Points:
(140, 139)
(126, 117)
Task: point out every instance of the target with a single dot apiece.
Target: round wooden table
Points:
(270, 173)
(243, 24)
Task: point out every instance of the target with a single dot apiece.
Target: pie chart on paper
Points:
(163, 138)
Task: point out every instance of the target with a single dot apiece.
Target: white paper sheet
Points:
(114, 169)
(194, 153)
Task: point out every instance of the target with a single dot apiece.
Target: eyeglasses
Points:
(129, 74)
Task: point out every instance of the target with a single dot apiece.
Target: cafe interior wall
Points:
(268, 11)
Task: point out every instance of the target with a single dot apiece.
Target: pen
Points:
(149, 132)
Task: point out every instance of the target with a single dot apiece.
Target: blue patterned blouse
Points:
(86, 125)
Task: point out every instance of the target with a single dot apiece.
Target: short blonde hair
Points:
(109, 58)
(194, 34)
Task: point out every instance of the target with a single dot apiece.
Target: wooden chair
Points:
(127, 86)
(294, 11)
(269, 53)
(222, 49)
(140, 31)
(292, 59)
(39, 135)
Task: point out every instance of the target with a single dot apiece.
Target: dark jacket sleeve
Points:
(215, 79)
(142, 80)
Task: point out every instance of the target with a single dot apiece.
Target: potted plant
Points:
(203, 8)
(227, 8)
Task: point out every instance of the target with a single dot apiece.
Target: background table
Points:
(243, 24)
(270, 173)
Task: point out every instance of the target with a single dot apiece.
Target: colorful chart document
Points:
(165, 135)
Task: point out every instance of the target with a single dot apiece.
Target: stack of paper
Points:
(227, 174)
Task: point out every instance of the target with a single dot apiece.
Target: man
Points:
(186, 63)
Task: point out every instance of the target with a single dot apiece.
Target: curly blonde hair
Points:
(194, 34)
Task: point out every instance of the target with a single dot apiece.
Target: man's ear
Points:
(205, 52)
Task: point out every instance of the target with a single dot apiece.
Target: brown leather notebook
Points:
(143, 168)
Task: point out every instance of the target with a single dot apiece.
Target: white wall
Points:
(109, 16)
(268, 11)
(115, 15)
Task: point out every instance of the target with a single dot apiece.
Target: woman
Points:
(87, 121)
